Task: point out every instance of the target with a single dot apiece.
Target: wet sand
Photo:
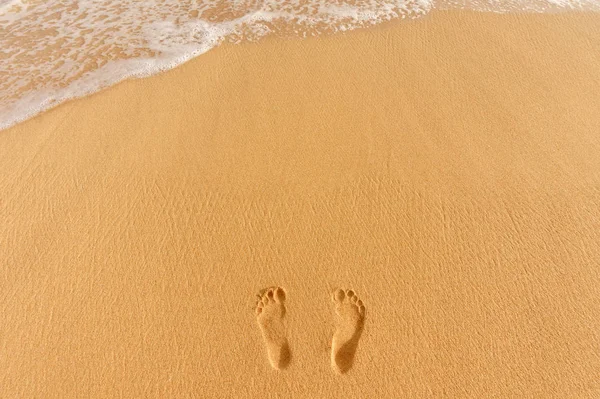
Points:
(446, 170)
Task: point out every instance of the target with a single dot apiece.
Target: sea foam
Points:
(54, 51)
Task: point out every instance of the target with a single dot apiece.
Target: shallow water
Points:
(52, 52)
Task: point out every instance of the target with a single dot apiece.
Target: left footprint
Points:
(270, 311)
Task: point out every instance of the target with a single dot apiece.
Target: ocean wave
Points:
(55, 51)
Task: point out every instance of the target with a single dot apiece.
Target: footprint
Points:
(350, 319)
(270, 311)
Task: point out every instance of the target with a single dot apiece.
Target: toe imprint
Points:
(270, 312)
(350, 316)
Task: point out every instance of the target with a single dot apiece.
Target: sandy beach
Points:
(445, 169)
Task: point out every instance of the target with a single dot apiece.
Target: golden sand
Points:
(447, 170)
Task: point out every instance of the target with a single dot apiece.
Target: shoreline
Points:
(21, 103)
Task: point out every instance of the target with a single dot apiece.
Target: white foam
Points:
(54, 51)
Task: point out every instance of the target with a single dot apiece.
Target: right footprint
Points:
(350, 320)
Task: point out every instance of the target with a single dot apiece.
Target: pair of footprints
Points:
(350, 317)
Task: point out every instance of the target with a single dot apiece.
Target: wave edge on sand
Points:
(72, 49)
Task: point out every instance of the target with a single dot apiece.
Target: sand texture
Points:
(444, 173)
